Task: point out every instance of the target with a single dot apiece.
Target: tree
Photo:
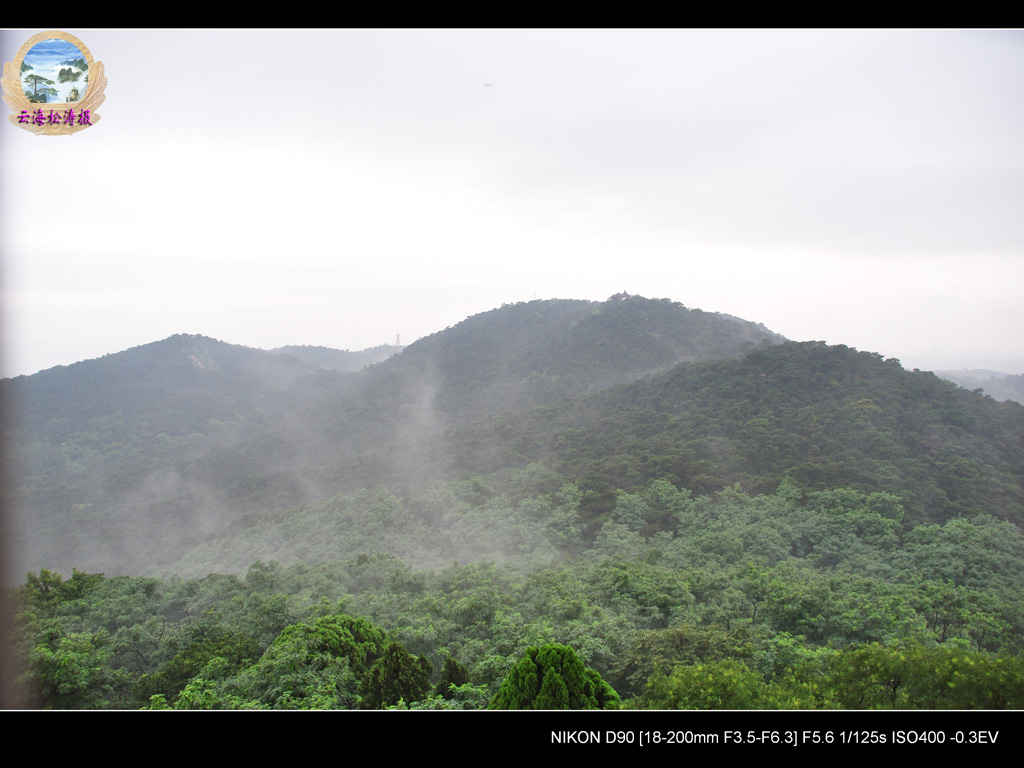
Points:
(453, 675)
(913, 676)
(68, 670)
(664, 649)
(722, 684)
(35, 81)
(312, 665)
(552, 676)
(396, 676)
(49, 589)
(206, 643)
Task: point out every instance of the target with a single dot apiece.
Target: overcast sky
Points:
(334, 187)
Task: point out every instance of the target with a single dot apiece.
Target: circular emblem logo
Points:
(53, 85)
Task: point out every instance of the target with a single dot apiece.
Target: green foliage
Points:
(49, 588)
(234, 650)
(913, 676)
(663, 649)
(461, 697)
(722, 684)
(312, 665)
(395, 677)
(39, 83)
(147, 447)
(905, 676)
(825, 416)
(453, 675)
(552, 676)
(68, 670)
(815, 636)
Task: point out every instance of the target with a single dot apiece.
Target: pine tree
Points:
(552, 676)
(453, 673)
(396, 676)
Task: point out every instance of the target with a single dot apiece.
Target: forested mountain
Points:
(825, 416)
(540, 352)
(677, 496)
(127, 461)
(172, 386)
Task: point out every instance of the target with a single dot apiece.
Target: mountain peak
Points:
(532, 353)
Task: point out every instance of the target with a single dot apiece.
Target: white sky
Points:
(333, 187)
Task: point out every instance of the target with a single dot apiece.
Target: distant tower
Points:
(398, 339)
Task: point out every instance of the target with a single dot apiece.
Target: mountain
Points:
(825, 416)
(539, 352)
(387, 426)
(175, 385)
(129, 460)
(610, 471)
(133, 461)
(93, 451)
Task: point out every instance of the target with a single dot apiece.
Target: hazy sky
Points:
(333, 187)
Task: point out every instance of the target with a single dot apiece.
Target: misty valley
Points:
(556, 504)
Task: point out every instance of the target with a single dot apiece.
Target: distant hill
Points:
(1001, 386)
(172, 386)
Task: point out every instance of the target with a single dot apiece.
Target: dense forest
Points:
(556, 504)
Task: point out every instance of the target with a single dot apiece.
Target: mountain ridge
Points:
(130, 465)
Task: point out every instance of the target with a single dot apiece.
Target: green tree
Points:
(663, 649)
(68, 670)
(912, 676)
(207, 642)
(40, 85)
(552, 676)
(312, 665)
(722, 684)
(396, 676)
(49, 589)
(453, 674)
